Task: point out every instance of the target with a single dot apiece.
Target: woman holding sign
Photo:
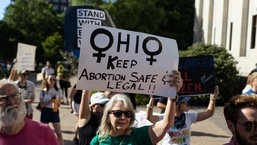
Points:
(180, 132)
(117, 128)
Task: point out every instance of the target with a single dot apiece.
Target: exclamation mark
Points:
(153, 89)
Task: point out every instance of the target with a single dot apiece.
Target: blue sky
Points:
(3, 5)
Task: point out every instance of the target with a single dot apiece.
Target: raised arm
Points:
(84, 110)
(158, 129)
(149, 111)
(211, 107)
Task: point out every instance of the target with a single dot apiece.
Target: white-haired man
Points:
(15, 129)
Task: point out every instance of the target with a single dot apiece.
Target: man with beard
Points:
(241, 117)
(15, 129)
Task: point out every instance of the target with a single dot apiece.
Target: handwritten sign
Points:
(126, 61)
(198, 75)
(75, 17)
(26, 56)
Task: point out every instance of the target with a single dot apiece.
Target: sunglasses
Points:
(118, 113)
(53, 79)
(250, 126)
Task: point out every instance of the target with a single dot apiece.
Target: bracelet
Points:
(149, 106)
(176, 99)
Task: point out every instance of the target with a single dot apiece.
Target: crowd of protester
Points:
(111, 117)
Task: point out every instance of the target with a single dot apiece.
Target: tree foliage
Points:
(8, 45)
(168, 18)
(226, 73)
(52, 45)
(35, 20)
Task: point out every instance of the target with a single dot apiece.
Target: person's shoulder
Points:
(37, 125)
(30, 82)
(15, 82)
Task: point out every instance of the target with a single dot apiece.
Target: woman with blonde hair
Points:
(117, 124)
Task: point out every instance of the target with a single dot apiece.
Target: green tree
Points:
(8, 44)
(226, 73)
(51, 47)
(35, 20)
(167, 18)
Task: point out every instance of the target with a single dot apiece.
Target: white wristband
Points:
(149, 106)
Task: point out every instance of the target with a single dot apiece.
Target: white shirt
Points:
(47, 71)
(47, 95)
(182, 136)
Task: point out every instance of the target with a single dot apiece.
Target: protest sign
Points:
(26, 56)
(74, 18)
(126, 61)
(198, 75)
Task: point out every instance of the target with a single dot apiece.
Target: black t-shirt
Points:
(77, 96)
(88, 132)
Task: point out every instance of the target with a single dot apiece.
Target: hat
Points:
(98, 98)
(23, 71)
(59, 62)
(184, 99)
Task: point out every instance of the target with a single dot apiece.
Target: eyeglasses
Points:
(118, 113)
(250, 126)
(53, 79)
(102, 105)
(5, 98)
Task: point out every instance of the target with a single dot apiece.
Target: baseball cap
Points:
(23, 71)
(98, 98)
(184, 99)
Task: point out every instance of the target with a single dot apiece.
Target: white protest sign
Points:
(126, 61)
(26, 56)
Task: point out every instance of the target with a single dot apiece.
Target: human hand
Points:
(214, 95)
(176, 80)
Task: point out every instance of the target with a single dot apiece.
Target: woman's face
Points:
(51, 79)
(120, 117)
(183, 106)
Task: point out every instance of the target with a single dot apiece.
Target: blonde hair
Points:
(251, 77)
(105, 126)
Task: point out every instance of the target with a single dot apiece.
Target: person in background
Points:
(46, 71)
(15, 129)
(65, 82)
(75, 99)
(241, 118)
(90, 115)
(117, 128)
(26, 90)
(50, 98)
(252, 83)
(13, 75)
(59, 69)
(162, 101)
(183, 119)
(248, 84)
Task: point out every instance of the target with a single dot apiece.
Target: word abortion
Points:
(118, 77)
(118, 81)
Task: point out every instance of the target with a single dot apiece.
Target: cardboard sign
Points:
(75, 17)
(26, 56)
(197, 74)
(126, 61)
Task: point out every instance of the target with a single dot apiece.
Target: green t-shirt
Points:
(139, 136)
